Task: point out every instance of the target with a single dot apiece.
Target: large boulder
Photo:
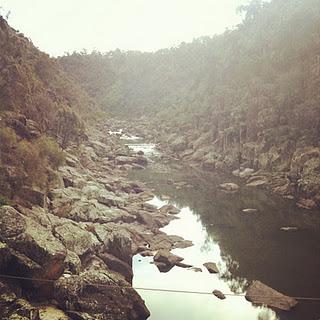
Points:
(260, 294)
(99, 292)
(76, 239)
(165, 260)
(32, 240)
(179, 144)
(119, 244)
(117, 265)
(211, 267)
(110, 200)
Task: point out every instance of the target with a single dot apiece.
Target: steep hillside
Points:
(253, 90)
(40, 110)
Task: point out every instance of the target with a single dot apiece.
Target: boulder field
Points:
(292, 174)
(67, 253)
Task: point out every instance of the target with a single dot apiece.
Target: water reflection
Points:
(191, 306)
(246, 247)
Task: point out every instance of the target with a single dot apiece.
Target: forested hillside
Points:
(253, 89)
(40, 112)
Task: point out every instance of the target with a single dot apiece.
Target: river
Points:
(245, 247)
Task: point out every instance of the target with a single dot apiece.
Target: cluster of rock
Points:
(290, 172)
(73, 250)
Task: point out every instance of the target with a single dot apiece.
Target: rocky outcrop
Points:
(33, 243)
(211, 267)
(165, 260)
(82, 237)
(13, 306)
(99, 293)
(260, 294)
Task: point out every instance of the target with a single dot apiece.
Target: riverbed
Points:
(245, 247)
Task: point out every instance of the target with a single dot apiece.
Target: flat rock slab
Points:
(260, 294)
(229, 187)
(257, 183)
(211, 267)
(167, 257)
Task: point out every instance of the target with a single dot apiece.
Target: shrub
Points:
(4, 201)
(28, 155)
(50, 151)
(8, 140)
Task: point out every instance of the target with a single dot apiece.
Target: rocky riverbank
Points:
(67, 254)
(292, 173)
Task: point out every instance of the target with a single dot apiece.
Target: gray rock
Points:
(119, 244)
(72, 262)
(260, 294)
(76, 239)
(170, 209)
(219, 294)
(257, 183)
(117, 265)
(211, 267)
(247, 172)
(163, 267)
(179, 144)
(229, 187)
(110, 200)
(32, 240)
(100, 293)
(149, 207)
(165, 256)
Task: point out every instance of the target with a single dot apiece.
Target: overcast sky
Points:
(59, 26)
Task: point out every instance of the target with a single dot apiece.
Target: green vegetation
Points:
(259, 80)
(254, 88)
(26, 163)
(4, 201)
(41, 111)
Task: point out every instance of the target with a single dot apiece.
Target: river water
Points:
(245, 247)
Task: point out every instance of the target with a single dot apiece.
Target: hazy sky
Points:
(58, 26)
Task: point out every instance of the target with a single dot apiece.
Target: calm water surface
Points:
(245, 247)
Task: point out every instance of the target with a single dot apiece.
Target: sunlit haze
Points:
(63, 26)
